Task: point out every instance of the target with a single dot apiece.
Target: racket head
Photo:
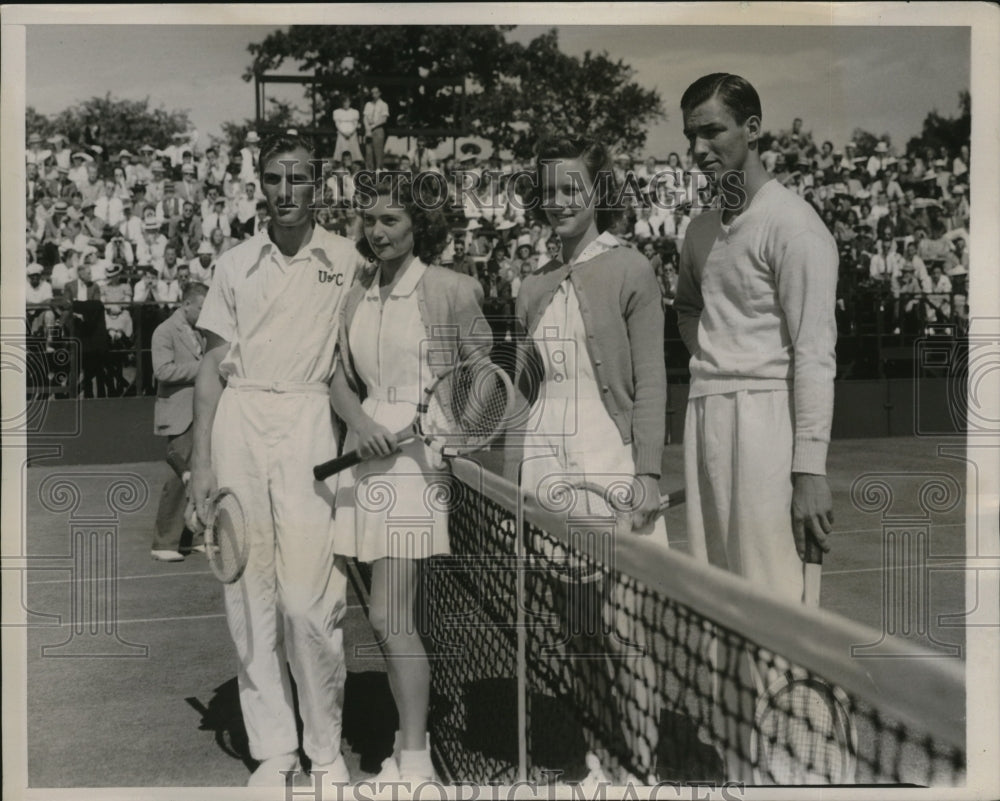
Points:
(226, 540)
(803, 734)
(466, 408)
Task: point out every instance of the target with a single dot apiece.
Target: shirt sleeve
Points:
(218, 313)
(806, 278)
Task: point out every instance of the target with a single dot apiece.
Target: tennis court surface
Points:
(646, 664)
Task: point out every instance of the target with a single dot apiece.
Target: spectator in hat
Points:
(156, 183)
(202, 266)
(149, 288)
(177, 348)
(957, 262)
(258, 222)
(60, 150)
(525, 260)
(189, 189)
(53, 232)
(119, 251)
(171, 206)
(91, 225)
(143, 166)
(149, 248)
(908, 288)
(116, 289)
(376, 115)
(78, 168)
(36, 153)
(185, 232)
(62, 186)
(937, 303)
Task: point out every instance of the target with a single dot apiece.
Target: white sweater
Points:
(755, 305)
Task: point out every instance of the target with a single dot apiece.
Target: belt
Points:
(286, 387)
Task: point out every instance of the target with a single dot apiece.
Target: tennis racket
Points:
(803, 732)
(226, 540)
(462, 412)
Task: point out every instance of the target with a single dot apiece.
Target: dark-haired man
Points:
(755, 304)
(262, 420)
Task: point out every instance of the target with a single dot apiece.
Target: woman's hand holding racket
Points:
(462, 412)
(201, 487)
(646, 501)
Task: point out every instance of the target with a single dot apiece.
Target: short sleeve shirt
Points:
(280, 315)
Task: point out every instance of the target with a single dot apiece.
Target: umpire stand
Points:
(402, 90)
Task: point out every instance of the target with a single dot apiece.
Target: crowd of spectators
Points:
(112, 239)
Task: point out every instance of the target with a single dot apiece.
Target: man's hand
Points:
(812, 510)
(202, 487)
(646, 500)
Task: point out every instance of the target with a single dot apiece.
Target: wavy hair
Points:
(430, 228)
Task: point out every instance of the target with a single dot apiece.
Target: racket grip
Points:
(814, 554)
(323, 471)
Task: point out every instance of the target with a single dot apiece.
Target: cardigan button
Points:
(605, 388)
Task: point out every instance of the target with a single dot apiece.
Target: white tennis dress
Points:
(569, 422)
(395, 506)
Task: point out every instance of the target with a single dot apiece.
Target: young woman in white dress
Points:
(396, 324)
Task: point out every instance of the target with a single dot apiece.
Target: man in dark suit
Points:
(177, 350)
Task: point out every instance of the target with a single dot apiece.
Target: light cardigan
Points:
(623, 315)
(755, 307)
(449, 306)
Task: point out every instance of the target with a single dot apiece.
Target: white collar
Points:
(605, 242)
(404, 286)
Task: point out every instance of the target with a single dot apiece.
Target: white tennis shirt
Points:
(279, 315)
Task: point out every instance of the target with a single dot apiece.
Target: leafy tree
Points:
(513, 93)
(112, 124)
(949, 132)
(281, 114)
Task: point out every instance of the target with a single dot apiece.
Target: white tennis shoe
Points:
(272, 772)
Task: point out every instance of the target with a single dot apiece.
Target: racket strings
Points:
(228, 544)
(469, 405)
(805, 737)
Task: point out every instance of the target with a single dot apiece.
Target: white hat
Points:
(506, 225)
(147, 149)
(473, 225)
(252, 138)
(881, 147)
(524, 239)
(35, 268)
(206, 247)
(187, 168)
(81, 155)
(35, 137)
(113, 269)
(123, 153)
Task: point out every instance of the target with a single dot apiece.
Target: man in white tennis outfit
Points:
(262, 420)
(755, 305)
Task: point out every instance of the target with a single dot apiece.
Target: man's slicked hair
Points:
(736, 93)
(283, 143)
(193, 290)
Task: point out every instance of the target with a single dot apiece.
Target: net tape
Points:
(615, 660)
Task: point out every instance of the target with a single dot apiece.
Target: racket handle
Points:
(323, 471)
(673, 499)
(812, 572)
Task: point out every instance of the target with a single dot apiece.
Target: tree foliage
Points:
(111, 123)
(949, 132)
(513, 93)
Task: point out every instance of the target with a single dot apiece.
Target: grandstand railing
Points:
(877, 339)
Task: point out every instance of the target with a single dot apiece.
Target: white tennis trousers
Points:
(290, 602)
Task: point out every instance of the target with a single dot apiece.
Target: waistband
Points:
(285, 387)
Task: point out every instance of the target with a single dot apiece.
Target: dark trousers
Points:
(170, 526)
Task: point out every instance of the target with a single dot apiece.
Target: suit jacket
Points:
(186, 241)
(70, 290)
(177, 352)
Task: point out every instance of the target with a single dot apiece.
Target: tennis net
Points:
(553, 640)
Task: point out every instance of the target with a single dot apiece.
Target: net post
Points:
(522, 635)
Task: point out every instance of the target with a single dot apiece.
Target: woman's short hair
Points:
(735, 92)
(430, 228)
(598, 161)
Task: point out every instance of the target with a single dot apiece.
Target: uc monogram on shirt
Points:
(326, 277)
